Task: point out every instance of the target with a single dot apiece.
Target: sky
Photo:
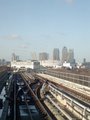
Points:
(34, 26)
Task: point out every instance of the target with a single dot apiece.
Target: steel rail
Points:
(37, 102)
(6, 103)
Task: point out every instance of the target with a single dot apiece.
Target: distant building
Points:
(33, 56)
(70, 57)
(69, 65)
(64, 54)
(84, 60)
(2, 62)
(35, 65)
(43, 56)
(15, 57)
(50, 63)
(86, 65)
(8, 63)
(56, 54)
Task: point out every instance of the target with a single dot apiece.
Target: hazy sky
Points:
(28, 26)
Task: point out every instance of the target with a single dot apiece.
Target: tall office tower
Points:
(43, 56)
(56, 54)
(3, 62)
(33, 56)
(84, 60)
(64, 54)
(17, 58)
(71, 56)
(13, 57)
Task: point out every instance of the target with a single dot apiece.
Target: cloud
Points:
(69, 1)
(11, 37)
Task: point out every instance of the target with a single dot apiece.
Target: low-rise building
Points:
(86, 65)
(35, 65)
(50, 63)
(69, 65)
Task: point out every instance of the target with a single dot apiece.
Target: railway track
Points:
(52, 101)
(7, 90)
(19, 103)
(81, 99)
(41, 93)
(84, 98)
(37, 86)
(76, 78)
(3, 79)
(69, 115)
(43, 113)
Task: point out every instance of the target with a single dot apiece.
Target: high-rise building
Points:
(43, 56)
(64, 54)
(15, 57)
(3, 61)
(33, 56)
(84, 60)
(56, 54)
(71, 56)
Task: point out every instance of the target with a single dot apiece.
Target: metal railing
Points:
(76, 78)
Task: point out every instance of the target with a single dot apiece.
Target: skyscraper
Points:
(84, 60)
(43, 56)
(56, 54)
(33, 56)
(15, 57)
(71, 56)
(64, 54)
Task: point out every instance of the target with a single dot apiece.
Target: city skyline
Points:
(66, 55)
(43, 25)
